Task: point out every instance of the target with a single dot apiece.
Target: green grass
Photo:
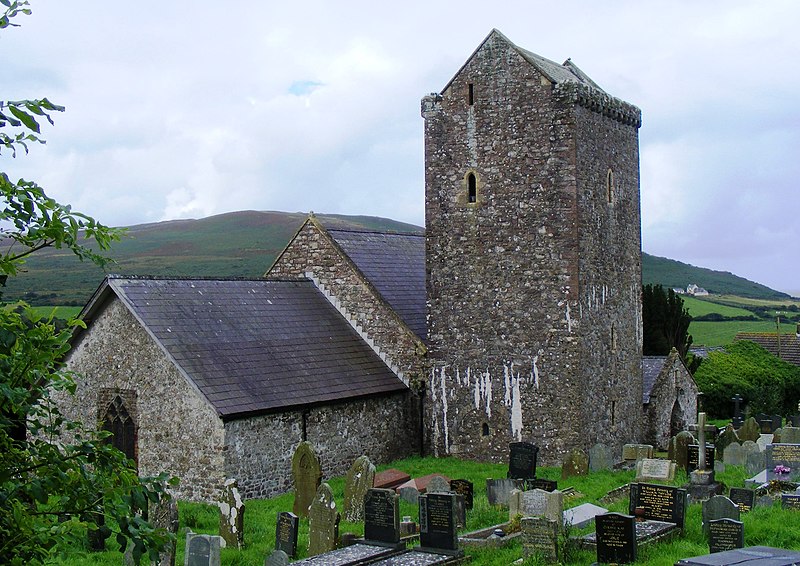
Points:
(721, 333)
(701, 307)
(63, 313)
(763, 526)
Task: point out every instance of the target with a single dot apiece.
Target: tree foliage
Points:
(665, 322)
(57, 477)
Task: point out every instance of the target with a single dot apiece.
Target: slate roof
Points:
(395, 265)
(789, 347)
(256, 346)
(651, 368)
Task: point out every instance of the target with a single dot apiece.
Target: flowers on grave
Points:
(781, 469)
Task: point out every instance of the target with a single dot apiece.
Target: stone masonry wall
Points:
(178, 432)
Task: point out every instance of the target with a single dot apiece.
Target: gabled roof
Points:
(789, 344)
(253, 346)
(651, 369)
(395, 265)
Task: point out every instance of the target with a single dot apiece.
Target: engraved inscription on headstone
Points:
(693, 456)
(783, 462)
(381, 516)
(286, 529)
(658, 502)
(725, 534)
(437, 521)
(465, 488)
(790, 501)
(743, 497)
(616, 538)
(543, 484)
(202, 550)
(540, 537)
(718, 507)
(522, 460)
(655, 469)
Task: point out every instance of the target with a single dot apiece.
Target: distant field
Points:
(701, 307)
(721, 333)
(57, 312)
(733, 299)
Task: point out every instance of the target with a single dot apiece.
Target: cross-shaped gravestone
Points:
(737, 412)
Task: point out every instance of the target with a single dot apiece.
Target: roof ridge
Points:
(384, 232)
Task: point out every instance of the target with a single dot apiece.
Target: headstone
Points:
(522, 460)
(423, 482)
(750, 430)
(277, 558)
(616, 538)
(323, 522)
(438, 484)
(231, 515)
(461, 511)
(464, 488)
(658, 502)
(634, 452)
(783, 462)
(537, 503)
(498, 491)
(307, 475)
(743, 498)
(764, 423)
(790, 501)
(795, 420)
(164, 515)
(437, 522)
(582, 515)
(381, 516)
(683, 440)
(738, 419)
(756, 461)
(777, 422)
(764, 440)
(725, 439)
(748, 447)
(540, 537)
(409, 494)
(725, 534)
(764, 501)
(777, 436)
(359, 479)
(600, 457)
(543, 484)
(790, 435)
(718, 507)
(390, 478)
(734, 455)
(650, 469)
(575, 463)
(693, 456)
(286, 529)
(202, 550)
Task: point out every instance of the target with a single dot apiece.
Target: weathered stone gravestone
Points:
(616, 538)
(231, 516)
(409, 494)
(725, 534)
(650, 469)
(749, 447)
(783, 462)
(734, 455)
(164, 515)
(743, 498)
(540, 537)
(718, 507)
(202, 550)
(537, 503)
(575, 463)
(466, 489)
(680, 449)
(381, 517)
(307, 475)
(286, 529)
(750, 430)
(438, 530)
(498, 491)
(765, 440)
(600, 457)
(359, 479)
(658, 503)
(522, 460)
(277, 558)
(634, 452)
(693, 457)
(323, 522)
(725, 439)
(438, 484)
(756, 462)
(790, 435)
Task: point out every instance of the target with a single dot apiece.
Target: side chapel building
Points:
(517, 316)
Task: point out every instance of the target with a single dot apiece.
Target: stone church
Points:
(517, 316)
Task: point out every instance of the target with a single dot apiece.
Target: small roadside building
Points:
(669, 398)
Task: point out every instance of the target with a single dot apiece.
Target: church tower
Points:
(533, 259)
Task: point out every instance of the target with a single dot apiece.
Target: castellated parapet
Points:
(533, 252)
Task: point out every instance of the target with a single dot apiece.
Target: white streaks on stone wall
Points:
(443, 379)
(513, 399)
(535, 369)
(486, 390)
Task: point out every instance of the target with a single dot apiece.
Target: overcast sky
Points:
(185, 109)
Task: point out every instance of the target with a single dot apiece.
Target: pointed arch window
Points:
(118, 421)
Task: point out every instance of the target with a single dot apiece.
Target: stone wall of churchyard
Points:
(312, 252)
(177, 431)
(259, 450)
(673, 403)
(508, 302)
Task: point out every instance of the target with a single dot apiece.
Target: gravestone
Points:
(783, 462)
(749, 447)
(540, 537)
(575, 463)
(718, 507)
(790, 501)
(423, 482)
(464, 488)
(680, 447)
(164, 515)
(323, 522)
(658, 502)
(765, 423)
(409, 493)
(202, 550)
(634, 452)
(738, 418)
(522, 460)
(359, 479)
(795, 420)
(438, 484)
(777, 422)
(734, 455)
(777, 436)
(616, 538)
(693, 456)
(537, 503)
(725, 534)
(381, 517)
(725, 439)
(286, 529)
(543, 484)
(277, 558)
(756, 462)
(600, 457)
(650, 469)
(764, 440)
(750, 430)
(743, 498)
(390, 478)
(498, 491)
(438, 531)
(790, 435)
(231, 515)
(307, 476)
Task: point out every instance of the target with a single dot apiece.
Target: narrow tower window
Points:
(610, 186)
(471, 94)
(472, 188)
(485, 429)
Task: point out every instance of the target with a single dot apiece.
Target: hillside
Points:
(244, 244)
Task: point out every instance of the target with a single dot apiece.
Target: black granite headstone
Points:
(725, 534)
(616, 538)
(693, 457)
(543, 484)
(465, 488)
(381, 516)
(790, 501)
(777, 422)
(658, 502)
(437, 522)
(522, 460)
(286, 533)
(765, 422)
(743, 497)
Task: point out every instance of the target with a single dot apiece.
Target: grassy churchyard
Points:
(768, 526)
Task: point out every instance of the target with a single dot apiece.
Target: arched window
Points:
(117, 420)
(485, 429)
(472, 188)
(610, 186)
